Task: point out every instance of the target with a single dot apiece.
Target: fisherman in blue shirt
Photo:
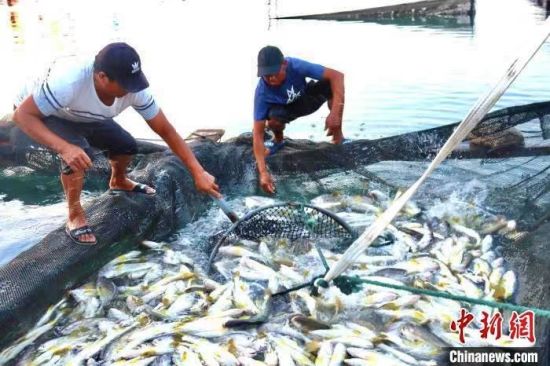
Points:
(283, 94)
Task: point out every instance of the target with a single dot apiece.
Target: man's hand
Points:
(333, 123)
(75, 157)
(206, 183)
(266, 182)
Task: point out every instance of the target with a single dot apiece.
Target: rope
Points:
(351, 282)
(482, 106)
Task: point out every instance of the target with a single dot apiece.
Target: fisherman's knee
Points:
(127, 146)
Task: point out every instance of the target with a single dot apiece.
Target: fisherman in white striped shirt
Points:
(71, 108)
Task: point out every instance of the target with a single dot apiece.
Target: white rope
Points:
(479, 110)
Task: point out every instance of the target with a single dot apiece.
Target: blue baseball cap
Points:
(122, 64)
(270, 59)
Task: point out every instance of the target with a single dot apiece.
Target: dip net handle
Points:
(482, 106)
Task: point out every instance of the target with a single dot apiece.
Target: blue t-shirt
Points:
(292, 88)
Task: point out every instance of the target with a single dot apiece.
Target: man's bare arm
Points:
(333, 123)
(266, 181)
(336, 79)
(203, 180)
(29, 118)
(258, 145)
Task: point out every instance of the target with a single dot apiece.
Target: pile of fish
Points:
(158, 306)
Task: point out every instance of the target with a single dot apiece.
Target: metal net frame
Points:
(291, 221)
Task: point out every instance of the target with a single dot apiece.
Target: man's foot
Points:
(129, 185)
(79, 231)
(82, 231)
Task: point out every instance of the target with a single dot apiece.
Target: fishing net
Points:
(290, 221)
(519, 187)
(521, 184)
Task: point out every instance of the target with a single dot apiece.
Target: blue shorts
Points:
(316, 94)
(106, 135)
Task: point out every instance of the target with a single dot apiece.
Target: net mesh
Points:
(521, 172)
(292, 221)
(289, 221)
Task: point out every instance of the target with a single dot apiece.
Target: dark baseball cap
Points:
(270, 59)
(122, 64)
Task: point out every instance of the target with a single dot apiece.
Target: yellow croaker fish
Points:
(283, 355)
(158, 347)
(262, 271)
(417, 265)
(57, 347)
(224, 300)
(506, 286)
(470, 289)
(338, 355)
(401, 302)
(494, 226)
(371, 357)
(184, 274)
(291, 274)
(247, 361)
(415, 340)
(206, 356)
(264, 251)
(270, 356)
(330, 202)
(352, 341)
(496, 276)
(241, 297)
(407, 359)
(206, 327)
(290, 347)
(95, 347)
(236, 251)
(51, 312)
(413, 315)
(481, 267)
(169, 308)
(378, 299)
(363, 205)
(441, 313)
(186, 357)
(472, 234)
(153, 244)
(310, 302)
(486, 243)
(12, 351)
(323, 354)
(215, 352)
(182, 304)
(139, 361)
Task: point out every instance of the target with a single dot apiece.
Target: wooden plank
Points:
(214, 134)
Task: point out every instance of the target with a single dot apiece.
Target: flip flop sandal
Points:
(273, 146)
(75, 233)
(138, 188)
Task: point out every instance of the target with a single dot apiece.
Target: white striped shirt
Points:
(66, 90)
